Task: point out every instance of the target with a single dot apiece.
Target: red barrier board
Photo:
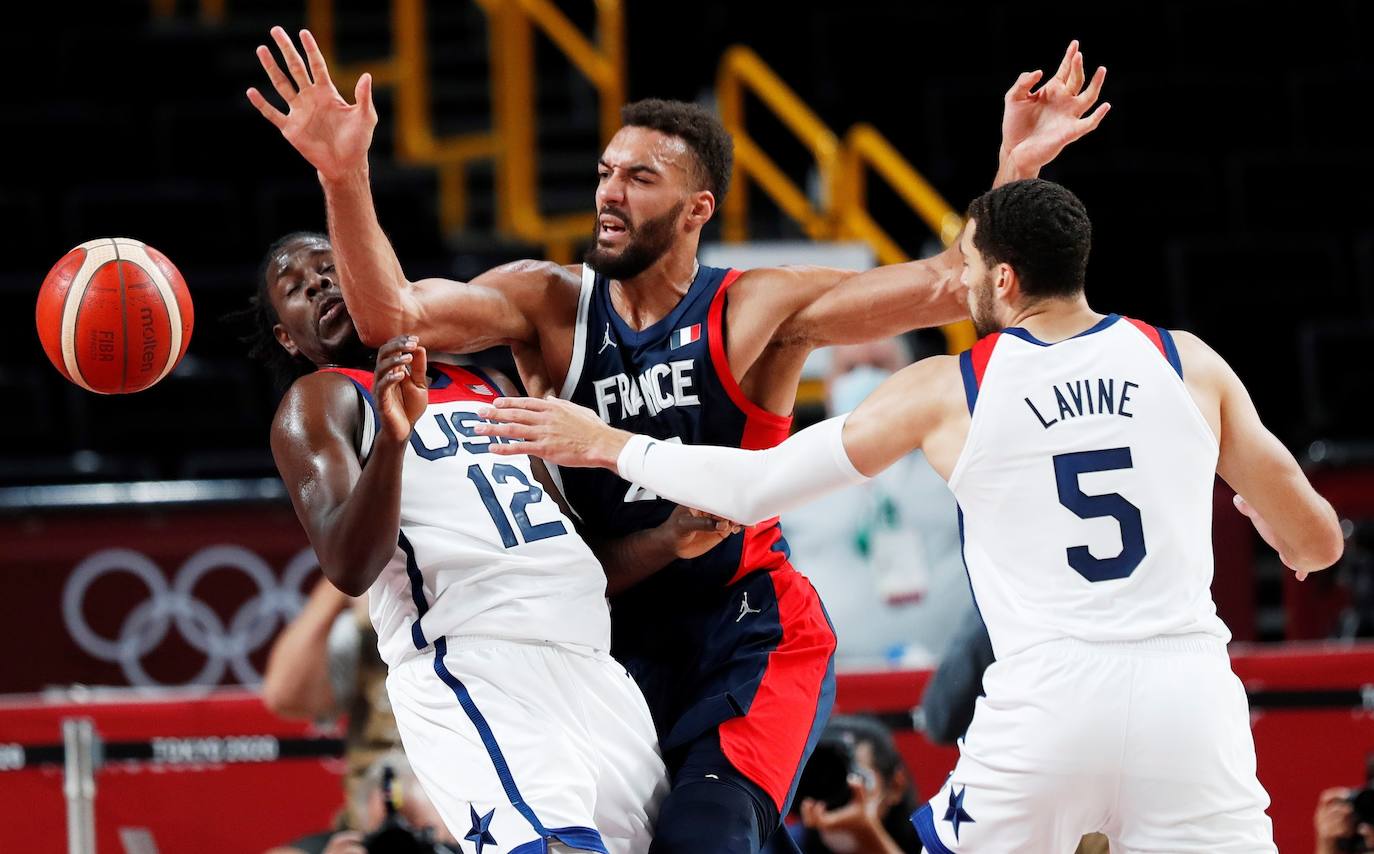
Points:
(217, 782)
(149, 597)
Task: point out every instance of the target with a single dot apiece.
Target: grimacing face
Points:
(303, 286)
(645, 181)
(978, 278)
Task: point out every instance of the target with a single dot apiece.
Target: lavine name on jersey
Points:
(661, 386)
(1078, 398)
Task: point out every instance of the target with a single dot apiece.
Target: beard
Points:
(645, 244)
(984, 309)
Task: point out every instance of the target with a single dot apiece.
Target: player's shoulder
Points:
(316, 399)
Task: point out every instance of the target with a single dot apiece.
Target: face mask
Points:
(848, 390)
(840, 841)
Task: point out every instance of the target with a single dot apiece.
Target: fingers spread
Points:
(1023, 85)
(269, 112)
(318, 69)
(1066, 63)
(275, 74)
(1091, 122)
(294, 63)
(1089, 95)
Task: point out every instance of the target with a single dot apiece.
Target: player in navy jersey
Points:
(733, 649)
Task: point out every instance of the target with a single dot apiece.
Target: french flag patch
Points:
(684, 336)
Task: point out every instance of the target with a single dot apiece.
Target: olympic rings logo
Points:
(146, 626)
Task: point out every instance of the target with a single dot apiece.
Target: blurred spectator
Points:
(1343, 821)
(855, 795)
(325, 663)
(410, 823)
(884, 556)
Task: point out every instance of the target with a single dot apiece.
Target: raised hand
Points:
(555, 430)
(332, 134)
(1037, 124)
(400, 387)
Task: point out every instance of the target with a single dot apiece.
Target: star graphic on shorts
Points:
(955, 813)
(479, 833)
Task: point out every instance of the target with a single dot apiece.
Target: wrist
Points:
(346, 176)
(608, 446)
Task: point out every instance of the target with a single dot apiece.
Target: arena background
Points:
(1228, 187)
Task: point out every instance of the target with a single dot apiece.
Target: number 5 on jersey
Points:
(1067, 469)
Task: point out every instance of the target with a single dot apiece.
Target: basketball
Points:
(114, 316)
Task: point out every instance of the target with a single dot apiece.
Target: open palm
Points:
(332, 134)
(1038, 123)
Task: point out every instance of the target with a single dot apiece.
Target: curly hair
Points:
(1040, 229)
(259, 318)
(695, 125)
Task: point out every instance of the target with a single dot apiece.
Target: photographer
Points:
(395, 814)
(1344, 821)
(855, 794)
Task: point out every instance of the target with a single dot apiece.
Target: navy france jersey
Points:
(670, 381)
(732, 647)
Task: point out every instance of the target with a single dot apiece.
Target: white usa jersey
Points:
(1085, 488)
(483, 549)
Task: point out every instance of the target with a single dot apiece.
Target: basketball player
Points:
(1082, 449)
(490, 610)
(733, 650)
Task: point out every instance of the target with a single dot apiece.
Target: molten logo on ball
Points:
(114, 316)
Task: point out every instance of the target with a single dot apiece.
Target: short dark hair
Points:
(259, 318)
(1039, 228)
(695, 125)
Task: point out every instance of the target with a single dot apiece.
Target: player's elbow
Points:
(1322, 545)
(375, 328)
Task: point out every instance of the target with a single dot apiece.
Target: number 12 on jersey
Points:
(1067, 469)
(503, 473)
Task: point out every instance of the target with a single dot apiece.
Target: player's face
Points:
(982, 300)
(645, 182)
(304, 288)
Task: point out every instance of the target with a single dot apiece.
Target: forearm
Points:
(630, 559)
(370, 274)
(296, 680)
(743, 486)
(360, 536)
(883, 302)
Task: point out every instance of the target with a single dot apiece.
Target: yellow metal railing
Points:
(512, 141)
(513, 24)
(842, 211)
(741, 69)
(406, 72)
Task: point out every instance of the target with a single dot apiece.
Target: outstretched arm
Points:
(350, 511)
(816, 307)
(745, 486)
(334, 136)
(1270, 485)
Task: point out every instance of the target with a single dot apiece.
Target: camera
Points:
(396, 836)
(826, 775)
(1362, 805)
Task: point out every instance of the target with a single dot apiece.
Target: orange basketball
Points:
(114, 316)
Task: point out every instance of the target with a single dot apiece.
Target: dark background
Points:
(1228, 186)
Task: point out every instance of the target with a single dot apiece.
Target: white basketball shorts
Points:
(1146, 742)
(530, 747)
